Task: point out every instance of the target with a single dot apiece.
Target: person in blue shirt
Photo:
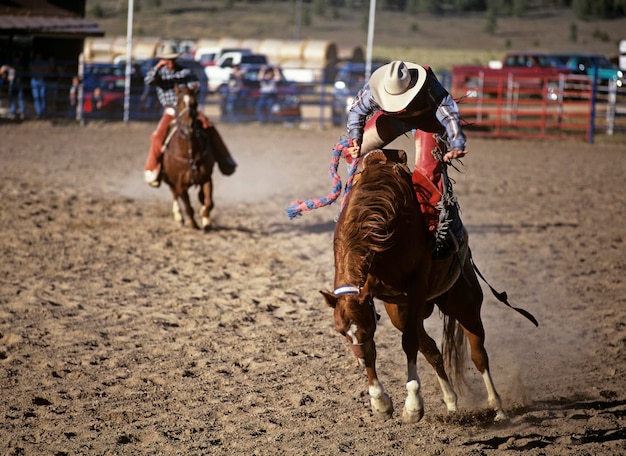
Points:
(403, 97)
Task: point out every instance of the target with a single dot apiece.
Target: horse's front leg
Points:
(406, 321)
(206, 199)
(414, 404)
(189, 210)
(382, 407)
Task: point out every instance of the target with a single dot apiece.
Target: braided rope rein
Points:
(296, 208)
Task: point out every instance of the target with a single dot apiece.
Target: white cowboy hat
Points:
(168, 52)
(396, 84)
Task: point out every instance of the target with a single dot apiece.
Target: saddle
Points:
(381, 156)
(443, 275)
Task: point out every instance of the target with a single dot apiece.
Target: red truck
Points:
(521, 73)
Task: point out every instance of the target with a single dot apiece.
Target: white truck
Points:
(218, 74)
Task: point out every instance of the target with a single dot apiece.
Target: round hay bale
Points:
(229, 43)
(291, 50)
(324, 52)
(271, 48)
(145, 48)
(207, 42)
(252, 44)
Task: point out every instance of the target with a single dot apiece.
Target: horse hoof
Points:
(382, 408)
(382, 416)
(412, 416)
(501, 416)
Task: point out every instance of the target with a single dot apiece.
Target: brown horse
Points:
(188, 160)
(383, 250)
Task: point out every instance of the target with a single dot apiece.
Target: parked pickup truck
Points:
(218, 74)
(532, 73)
(586, 64)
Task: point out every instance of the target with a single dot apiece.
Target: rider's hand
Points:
(454, 153)
(355, 148)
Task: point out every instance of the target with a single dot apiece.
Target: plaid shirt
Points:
(439, 100)
(165, 80)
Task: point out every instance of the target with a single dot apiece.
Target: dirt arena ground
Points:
(122, 333)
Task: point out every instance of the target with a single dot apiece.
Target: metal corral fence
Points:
(541, 107)
(503, 107)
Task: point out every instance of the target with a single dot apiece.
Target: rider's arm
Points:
(362, 106)
(447, 112)
(150, 76)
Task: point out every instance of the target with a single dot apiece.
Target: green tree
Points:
(491, 22)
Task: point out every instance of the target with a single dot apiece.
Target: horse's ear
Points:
(195, 86)
(176, 89)
(330, 298)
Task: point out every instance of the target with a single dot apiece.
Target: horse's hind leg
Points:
(206, 199)
(429, 349)
(465, 300)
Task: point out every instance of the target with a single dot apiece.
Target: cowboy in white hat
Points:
(165, 76)
(401, 97)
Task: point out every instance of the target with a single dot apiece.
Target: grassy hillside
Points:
(438, 41)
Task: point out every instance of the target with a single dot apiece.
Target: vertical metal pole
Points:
(610, 110)
(80, 96)
(594, 88)
(370, 40)
(129, 57)
(298, 22)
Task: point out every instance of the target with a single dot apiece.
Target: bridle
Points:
(184, 120)
(352, 290)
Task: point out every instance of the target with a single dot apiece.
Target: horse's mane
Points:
(377, 202)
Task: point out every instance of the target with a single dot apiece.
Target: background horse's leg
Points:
(465, 300)
(189, 210)
(178, 215)
(206, 199)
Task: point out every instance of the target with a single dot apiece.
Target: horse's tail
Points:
(454, 353)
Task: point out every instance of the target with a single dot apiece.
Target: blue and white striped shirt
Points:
(439, 100)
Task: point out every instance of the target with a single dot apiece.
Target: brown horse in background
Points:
(188, 160)
(383, 250)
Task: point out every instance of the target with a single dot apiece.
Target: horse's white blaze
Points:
(352, 333)
(449, 396)
(186, 99)
(178, 215)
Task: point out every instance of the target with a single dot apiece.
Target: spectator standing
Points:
(15, 90)
(38, 70)
(235, 87)
(268, 87)
(96, 100)
(73, 97)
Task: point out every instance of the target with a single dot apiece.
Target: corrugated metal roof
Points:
(48, 25)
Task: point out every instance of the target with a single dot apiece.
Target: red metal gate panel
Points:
(505, 105)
